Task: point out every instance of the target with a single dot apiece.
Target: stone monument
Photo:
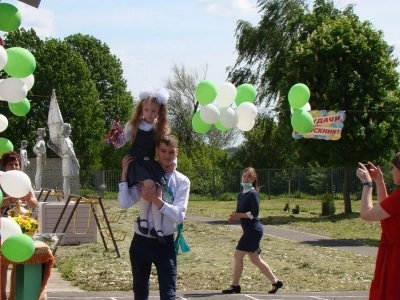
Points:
(61, 144)
(24, 155)
(40, 150)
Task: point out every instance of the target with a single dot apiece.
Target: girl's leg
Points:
(238, 266)
(262, 266)
(145, 205)
(266, 270)
(238, 257)
(157, 215)
(144, 208)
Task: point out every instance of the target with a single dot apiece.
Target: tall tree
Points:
(265, 146)
(183, 104)
(107, 73)
(347, 65)
(61, 68)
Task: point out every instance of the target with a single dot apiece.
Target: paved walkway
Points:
(301, 237)
(59, 289)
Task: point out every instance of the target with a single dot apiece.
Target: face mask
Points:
(246, 185)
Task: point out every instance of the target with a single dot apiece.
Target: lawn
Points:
(209, 263)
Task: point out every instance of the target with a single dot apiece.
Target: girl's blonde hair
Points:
(163, 126)
(253, 175)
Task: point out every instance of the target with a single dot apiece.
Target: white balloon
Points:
(3, 58)
(29, 81)
(246, 111)
(3, 123)
(13, 90)
(8, 228)
(226, 94)
(16, 183)
(209, 114)
(306, 107)
(245, 125)
(228, 117)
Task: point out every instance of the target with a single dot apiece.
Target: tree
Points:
(183, 104)
(265, 146)
(107, 73)
(347, 65)
(61, 68)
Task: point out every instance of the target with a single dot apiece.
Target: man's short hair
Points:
(169, 140)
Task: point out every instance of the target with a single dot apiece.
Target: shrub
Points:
(328, 205)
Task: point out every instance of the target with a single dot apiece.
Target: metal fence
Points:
(225, 184)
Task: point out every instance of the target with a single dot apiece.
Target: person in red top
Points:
(385, 284)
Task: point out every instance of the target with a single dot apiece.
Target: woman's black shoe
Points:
(277, 286)
(143, 230)
(233, 289)
(159, 238)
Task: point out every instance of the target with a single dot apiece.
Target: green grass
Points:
(209, 264)
(339, 226)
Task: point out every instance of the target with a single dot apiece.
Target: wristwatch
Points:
(369, 183)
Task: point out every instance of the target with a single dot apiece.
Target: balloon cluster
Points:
(301, 120)
(221, 114)
(15, 245)
(19, 64)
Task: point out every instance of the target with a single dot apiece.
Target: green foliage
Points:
(90, 91)
(227, 197)
(345, 62)
(262, 146)
(107, 73)
(62, 69)
(328, 205)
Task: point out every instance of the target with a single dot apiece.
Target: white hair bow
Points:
(161, 95)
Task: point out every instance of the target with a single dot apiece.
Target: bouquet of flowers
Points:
(26, 223)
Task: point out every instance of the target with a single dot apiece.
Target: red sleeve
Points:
(391, 204)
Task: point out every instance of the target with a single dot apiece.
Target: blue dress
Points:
(144, 166)
(252, 228)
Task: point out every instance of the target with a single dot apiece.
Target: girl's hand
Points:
(234, 216)
(375, 172)
(363, 173)
(125, 164)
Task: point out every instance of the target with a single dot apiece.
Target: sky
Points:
(149, 37)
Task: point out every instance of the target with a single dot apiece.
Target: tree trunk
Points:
(346, 191)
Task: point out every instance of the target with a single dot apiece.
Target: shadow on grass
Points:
(290, 219)
(337, 243)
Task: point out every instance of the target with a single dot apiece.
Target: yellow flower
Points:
(26, 223)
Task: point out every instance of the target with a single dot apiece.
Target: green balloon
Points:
(221, 127)
(18, 247)
(5, 146)
(198, 124)
(21, 63)
(298, 96)
(1, 197)
(20, 109)
(302, 121)
(10, 17)
(206, 92)
(245, 93)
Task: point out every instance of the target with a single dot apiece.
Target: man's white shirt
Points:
(172, 213)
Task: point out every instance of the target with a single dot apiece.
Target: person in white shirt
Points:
(144, 249)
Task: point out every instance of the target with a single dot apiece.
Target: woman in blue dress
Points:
(247, 210)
